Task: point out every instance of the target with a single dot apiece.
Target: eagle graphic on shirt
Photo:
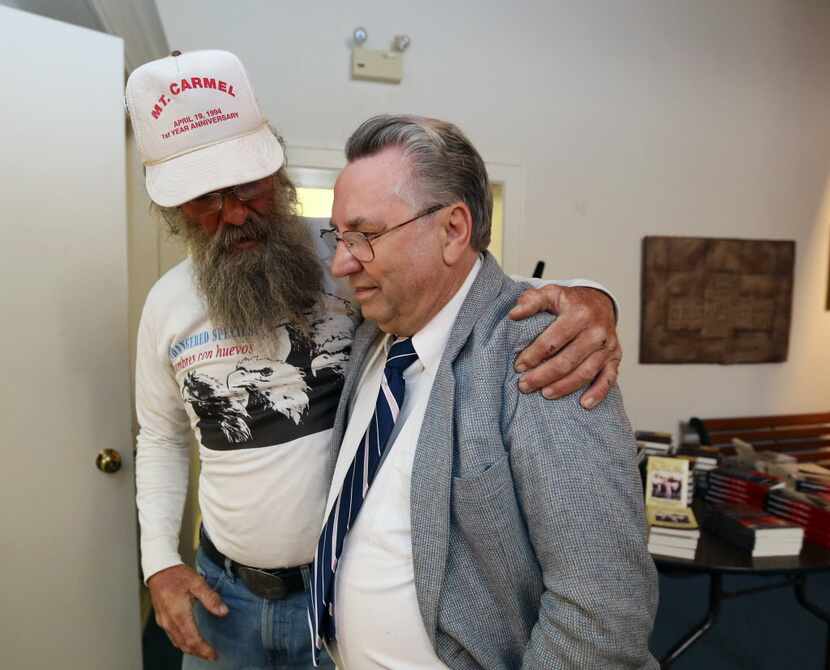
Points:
(259, 401)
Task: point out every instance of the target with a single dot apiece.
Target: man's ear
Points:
(458, 228)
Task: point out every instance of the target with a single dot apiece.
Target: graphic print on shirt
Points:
(241, 398)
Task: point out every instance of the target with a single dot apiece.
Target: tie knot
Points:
(401, 355)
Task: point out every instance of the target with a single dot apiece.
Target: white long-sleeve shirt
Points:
(262, 423)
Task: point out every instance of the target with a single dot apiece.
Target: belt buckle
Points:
(264, 584)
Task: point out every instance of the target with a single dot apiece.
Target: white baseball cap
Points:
(198, 126)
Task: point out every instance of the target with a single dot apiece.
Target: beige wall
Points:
(633, 118)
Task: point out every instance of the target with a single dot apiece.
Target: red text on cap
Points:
(182, 85)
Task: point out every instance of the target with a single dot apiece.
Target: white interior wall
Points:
(644, 117)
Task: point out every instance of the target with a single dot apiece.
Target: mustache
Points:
(256, 291)
(254, 229)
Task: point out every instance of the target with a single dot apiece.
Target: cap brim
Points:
(235, 161)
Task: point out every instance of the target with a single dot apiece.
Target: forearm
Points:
(162, 467)
(162, 452)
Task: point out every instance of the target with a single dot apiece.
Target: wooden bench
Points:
(804, 436)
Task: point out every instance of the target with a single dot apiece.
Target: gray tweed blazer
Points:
(528, 532)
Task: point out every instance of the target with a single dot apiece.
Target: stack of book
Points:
(810, 485)
(810, 511)
(653, 443)
(673, 529)
(701, 466)
(812, 478)
(734, 485)
(672, 532)
(704, 463)
(764, 534)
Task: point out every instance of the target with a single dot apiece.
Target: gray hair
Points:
(444, 166)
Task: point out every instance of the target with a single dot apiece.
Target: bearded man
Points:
(244, 345)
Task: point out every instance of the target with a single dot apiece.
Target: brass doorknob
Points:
(109, 461)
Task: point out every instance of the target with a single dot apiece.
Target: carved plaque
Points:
(709, 300)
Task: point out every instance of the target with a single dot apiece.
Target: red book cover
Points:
(751, 481)
(812, 525)
(719, 498)
(745, 525)
(735, 494)
(816, 507)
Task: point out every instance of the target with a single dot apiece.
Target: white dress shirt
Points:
(377, 618)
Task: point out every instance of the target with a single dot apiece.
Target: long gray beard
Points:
(252, 292)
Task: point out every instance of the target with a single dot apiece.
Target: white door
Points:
(68, 572)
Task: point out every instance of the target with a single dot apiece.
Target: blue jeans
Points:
(256, 634)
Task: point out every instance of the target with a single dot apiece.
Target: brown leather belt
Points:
(269, 584)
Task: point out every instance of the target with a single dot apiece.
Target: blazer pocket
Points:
(485, 503)
(486, 484)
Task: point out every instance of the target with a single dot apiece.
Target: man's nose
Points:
(343, 263)
(233, 212)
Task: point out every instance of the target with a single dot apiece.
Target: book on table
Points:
(655, 436)
(808, 510)
(667, 481)
(736, 485)
(759, 531)
(653, 442)
(672, 531)
(661, 549)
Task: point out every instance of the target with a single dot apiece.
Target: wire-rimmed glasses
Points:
(212, 202)
(359, 244)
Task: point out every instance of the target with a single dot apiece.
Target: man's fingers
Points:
(177, 620)
(579, 348)
(552, 371)
(188, 639)
(172, 591)
(568, 360)
(528, 303)
(550, 341)
(601, 368)
(604, 382)
(191, 641)
(168, 622)
(579, 377)
(535, 300)
(211, 600)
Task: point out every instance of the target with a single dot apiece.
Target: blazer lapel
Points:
(432, 468)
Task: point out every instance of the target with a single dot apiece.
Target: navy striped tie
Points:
(356, 485)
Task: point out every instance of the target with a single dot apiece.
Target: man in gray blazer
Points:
(468, 525)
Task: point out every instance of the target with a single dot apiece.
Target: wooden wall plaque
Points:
(711, 300)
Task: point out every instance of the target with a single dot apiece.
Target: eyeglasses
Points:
(359, 245)
(210, 203)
